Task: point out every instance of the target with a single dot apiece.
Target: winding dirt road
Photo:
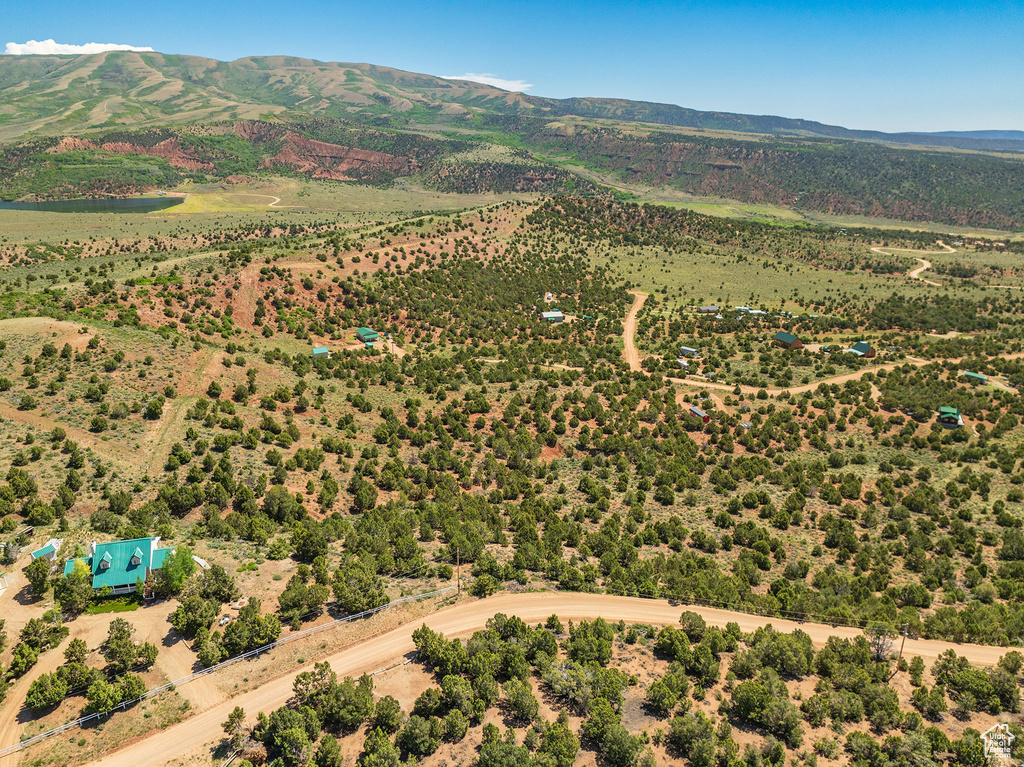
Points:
(275, 202)
(916, 273)
(925, 264)
(202, 732)
(915, 361)
(629, 352)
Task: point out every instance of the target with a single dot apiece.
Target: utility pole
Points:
(902, 642)
(458, 571)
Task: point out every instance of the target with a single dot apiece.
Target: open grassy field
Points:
(221, 207)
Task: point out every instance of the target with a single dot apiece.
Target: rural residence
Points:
(121, 564)
(950, 418)
(788, 340)
(862, 349)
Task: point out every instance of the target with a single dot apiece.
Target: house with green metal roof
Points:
(321, 351)
(950, 418)
(975, 378)
(788, 340)
(862, 349)
(366, 335)
(120, 565)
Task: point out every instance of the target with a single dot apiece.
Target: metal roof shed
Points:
(47, 551)
(696, 412)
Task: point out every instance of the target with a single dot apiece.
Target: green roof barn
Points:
(975, 378)
(49, 551)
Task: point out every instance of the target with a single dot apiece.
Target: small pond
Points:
(103, 205)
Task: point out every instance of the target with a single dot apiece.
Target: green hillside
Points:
(147, 120)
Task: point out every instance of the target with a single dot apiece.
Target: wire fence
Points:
(212, 669)
(741, 607)
(313, 613)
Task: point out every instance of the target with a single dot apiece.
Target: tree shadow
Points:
(27, 715)
(173, 638)
(24, 597)
(222, 751)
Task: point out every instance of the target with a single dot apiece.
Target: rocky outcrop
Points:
(332, 161)
(70, 144)
(169, 149)
(258, 132)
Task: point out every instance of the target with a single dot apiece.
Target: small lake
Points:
(102, 205)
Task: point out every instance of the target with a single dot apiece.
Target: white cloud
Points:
(50, 47)
(488, 79)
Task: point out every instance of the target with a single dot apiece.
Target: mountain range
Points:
(371, 123)
(53, 94)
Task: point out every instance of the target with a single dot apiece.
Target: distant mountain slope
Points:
(997, 135)
(839, 177)
(64, 94)
(119, 122)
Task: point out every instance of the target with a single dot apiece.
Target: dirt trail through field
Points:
(244, 305)
(274, 201)
(925, 264)
(915, 361)
(629, 352)
(204, 730)
(202, 364)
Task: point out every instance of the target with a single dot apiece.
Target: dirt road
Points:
(629, 352)
(916, 273)
(275, 202)
(203, 731)
(150, 624)
(915, 361)
(925, 264)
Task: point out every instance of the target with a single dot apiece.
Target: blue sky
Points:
(919, 66)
